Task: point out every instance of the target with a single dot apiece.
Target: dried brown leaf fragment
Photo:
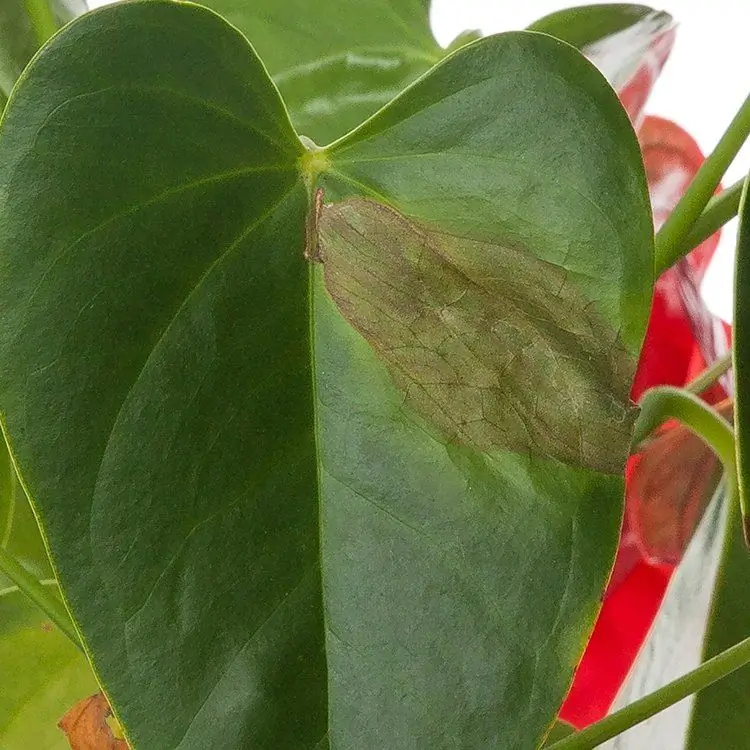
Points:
(86, 726)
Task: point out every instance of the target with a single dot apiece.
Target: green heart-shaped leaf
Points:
(264, 542)
(464, 154)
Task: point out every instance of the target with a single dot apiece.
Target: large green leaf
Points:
(463, 152)
(43, 674)
(18, 40)
(265, 541)
(192, 578)
(336, 62)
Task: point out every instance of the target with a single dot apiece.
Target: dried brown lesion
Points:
(86, 726)
(312, 251)
(487, 343)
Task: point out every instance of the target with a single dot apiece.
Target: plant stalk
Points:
(666, 402)
(706, 674)
(719, 210)
(671, 238)
(710, 375)
(41, 597)
(42, 19)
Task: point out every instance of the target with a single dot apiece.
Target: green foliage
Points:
(233, 488)
(19, 39)
(715, 720)
(617, 38)
(559, 731)
(586, 25)
(705, 609)
(741, 349)
(43, 673)
(361, 55)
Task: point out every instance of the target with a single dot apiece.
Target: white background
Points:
(705, 81)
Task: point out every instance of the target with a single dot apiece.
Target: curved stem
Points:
(709, 672)
(719, 210)
(666, 402)
(42, 19)
(38, 594)
(710, 375)
(670, 239)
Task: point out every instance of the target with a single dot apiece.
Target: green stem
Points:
(38, 594)
(719, 210)
(42, 19)
(710, 375)
(670, 239)
(709, 672)
(666, 402)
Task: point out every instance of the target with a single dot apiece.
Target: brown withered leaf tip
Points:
(86, 728)
(489, 344)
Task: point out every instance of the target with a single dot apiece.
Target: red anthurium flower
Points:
(663, 500)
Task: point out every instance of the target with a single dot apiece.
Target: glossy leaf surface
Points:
(207, 438)
(176, 485)
(436, 157)
(360, 56)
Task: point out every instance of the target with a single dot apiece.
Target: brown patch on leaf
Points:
(494, 347)
(312, 251)
(86, 727)
(672, 482)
